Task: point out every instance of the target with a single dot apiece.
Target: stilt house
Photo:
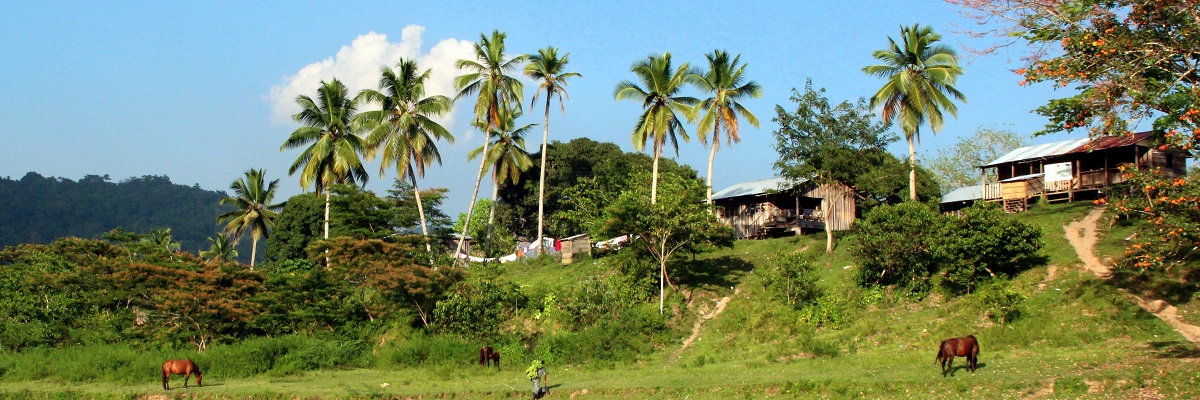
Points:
(1064, 171)
(774, 207)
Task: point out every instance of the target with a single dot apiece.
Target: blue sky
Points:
(201, 91)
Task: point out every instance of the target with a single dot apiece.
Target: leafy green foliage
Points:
(297, 225)
(825, 143)
(895, 245)
(982, 243)
(1003, 302)
(791, 278)
(40, 209)
(476, 308)
(681, 221)
(1129, 59)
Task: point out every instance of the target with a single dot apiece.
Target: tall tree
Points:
(828, 145)
(725, 82)
(919, 75)
(1132, 61)
(548, 68)
(959, 166)
(487, 76)
(661, 100)
(404, 127)
(254, 212)
(334, 146)
(507, 156)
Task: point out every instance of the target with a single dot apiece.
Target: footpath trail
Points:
(1082, 235)
(720, 307)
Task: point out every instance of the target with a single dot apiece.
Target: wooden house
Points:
(1064, 171)
(774, 207)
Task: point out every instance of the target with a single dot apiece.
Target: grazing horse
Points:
(180, 367)
(962, 347)
(487, 354)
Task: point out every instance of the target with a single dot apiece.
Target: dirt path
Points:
(1082, 235)
(700, 323)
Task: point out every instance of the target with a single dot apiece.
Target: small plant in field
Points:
(1003, 302)
(790, 277)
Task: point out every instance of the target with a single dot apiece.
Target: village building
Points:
(775, 207)
(1077, 169)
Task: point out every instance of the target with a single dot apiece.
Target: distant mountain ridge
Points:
(38, 209)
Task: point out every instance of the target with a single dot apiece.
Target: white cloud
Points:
(357, 66)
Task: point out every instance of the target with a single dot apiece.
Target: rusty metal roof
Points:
(1068, 147)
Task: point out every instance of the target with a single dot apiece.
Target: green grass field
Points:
(1077, 337)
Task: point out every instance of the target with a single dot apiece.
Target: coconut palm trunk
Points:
(654, 175)
(421, 213)
(912, 165)
(474, 197)
(487, 247)
(542, 176)
(712, 155)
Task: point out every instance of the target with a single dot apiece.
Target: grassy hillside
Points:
(1077, 337)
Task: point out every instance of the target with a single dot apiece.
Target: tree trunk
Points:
(654, 175)
(253, 251)
(420, 212)
(662, 277)
(475, 193)
(487, 247)
(912, 165)
(712, 155)
(326, 226)
(542, 176)
(828, 227)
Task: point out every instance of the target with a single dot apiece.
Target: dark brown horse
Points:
(962, 347)
(180, 367)
(487, 354)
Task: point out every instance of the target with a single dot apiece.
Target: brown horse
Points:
(180, 367)
(962, 347)
(487, 354)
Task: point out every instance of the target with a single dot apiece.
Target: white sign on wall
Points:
(1058, 172)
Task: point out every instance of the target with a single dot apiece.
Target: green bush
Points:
(896, 245)
(476, 308)
(790, 277)
(1003, 302)
(981, 244)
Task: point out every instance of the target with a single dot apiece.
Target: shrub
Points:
(982, 244)
(790, 278)
(1003, 302)
(896, 245)
(476, 308)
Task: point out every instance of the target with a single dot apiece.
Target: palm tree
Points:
(487, 76)
(162, 238)
(547, 67)
(221, 248)
(332, 155)
(725, 82)
(506, 155)
(918, 73)
(254, 212)
(404, 128)
(661, 101)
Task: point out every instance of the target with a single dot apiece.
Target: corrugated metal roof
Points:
(964, 194)
(1069, 146)
(1039, 151)
(1022, 177)
(752, 188)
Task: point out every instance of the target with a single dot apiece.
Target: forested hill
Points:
(38, 209)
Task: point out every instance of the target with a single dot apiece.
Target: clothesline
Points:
(531, 250)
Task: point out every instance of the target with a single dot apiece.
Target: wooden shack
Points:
(1065, 171)
(774, 207)
(578, 244)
